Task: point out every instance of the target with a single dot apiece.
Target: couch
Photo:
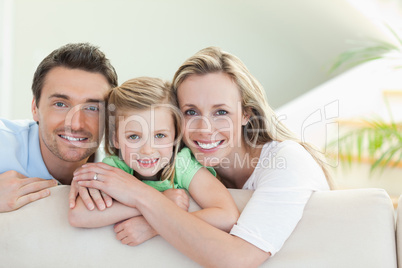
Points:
(342, 228)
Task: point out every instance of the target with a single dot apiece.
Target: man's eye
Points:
(160, 136)
(59, 104)
(222, 112)
(92, 108)
(190, 112)
(134, 137)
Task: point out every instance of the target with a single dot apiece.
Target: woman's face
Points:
(211, 105)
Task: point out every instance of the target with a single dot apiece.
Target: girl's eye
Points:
(190, 112)
(160, 136)
(133, 137)
(222, 112)
(59, 104)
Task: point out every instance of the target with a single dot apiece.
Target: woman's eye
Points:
(222, 112)
(160, 136)
(133, 137)
(190, 112)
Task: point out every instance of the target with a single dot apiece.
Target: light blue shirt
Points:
(19, 148)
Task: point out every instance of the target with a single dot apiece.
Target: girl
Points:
(143, 131)
(229, 125)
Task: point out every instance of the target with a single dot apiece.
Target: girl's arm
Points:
(219, 208)
(194, 237)
(80, 216)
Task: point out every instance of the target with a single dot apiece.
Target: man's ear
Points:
(34, 110)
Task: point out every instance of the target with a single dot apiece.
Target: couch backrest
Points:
(350, 228)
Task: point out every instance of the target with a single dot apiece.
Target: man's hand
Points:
(89, 196)
(16, 190)
(134, 231)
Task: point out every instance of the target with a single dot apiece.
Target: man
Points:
(69, 89)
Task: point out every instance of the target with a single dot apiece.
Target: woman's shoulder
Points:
(288, 163)
(287, 146)
(288, 152)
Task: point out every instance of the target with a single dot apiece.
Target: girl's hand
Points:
(179, 197)
(134, 231)
(113, 181)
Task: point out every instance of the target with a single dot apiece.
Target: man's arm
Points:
(17, 190)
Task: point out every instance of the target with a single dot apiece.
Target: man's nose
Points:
(75, 118)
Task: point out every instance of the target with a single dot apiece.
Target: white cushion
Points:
(350, 228)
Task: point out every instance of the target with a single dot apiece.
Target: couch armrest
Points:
(343, 228)
(351, 228)
(399, 230)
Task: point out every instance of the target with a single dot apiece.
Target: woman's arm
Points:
(219, 208)
(194, 237)
(197, 239)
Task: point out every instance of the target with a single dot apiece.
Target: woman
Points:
(230, 126)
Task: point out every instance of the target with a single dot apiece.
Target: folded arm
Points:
(218, 206)
(194, 237)
(80, 216)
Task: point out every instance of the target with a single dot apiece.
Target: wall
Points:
(329, 110)
(287, 44)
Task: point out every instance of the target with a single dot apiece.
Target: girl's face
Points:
(145, 139)
(211, 105)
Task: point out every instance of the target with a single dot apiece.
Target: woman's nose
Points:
(200, 124)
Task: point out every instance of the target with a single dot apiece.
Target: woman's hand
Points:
(89, 196)
(110, 180)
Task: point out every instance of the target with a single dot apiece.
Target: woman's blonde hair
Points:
(263, 125)
(139, 94)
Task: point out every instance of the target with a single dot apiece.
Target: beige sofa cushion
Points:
(351, 228)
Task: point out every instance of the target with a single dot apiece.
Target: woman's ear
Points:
(245, 118)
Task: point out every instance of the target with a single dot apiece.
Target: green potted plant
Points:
(376, 140)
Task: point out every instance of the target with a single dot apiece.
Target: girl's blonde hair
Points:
(263, 125)
(139, 94)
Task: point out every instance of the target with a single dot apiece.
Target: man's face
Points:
(70, 113)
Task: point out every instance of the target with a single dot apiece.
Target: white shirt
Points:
(284, 179)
